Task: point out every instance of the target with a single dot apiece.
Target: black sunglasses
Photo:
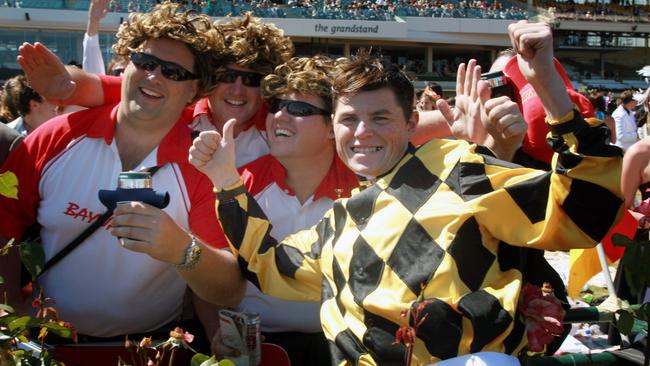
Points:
(296, 108)
(116, 72)
(250, 79)
(169, 70)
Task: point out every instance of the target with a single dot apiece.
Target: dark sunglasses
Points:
(250, 79)
(169, 70)
(296, 108)
(117, 72)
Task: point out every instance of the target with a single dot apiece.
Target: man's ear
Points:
(195, 90)
(330, 131)
(413, 122)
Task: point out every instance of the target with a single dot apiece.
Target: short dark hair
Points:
(626, 96)
(16, 96)
(366, 72)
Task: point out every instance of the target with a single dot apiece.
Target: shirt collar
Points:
(104, 124)
(338, 183)
(172, 148)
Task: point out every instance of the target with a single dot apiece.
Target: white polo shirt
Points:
(101, 288)
(265, 180)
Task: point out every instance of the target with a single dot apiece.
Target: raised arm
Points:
(92, 54)
(577, 203)
(58, 83)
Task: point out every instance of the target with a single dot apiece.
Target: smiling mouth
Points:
(366, 150)
(281, 132)
(235, 103)
(150, 93)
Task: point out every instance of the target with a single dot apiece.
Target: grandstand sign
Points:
(331, 28)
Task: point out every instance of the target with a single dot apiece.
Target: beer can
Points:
(252, 333)
(130, 180)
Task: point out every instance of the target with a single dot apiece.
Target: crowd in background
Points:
(596, 11)
(379, 9)
(318, 9)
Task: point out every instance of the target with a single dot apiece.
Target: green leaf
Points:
(633, 262)
(33, 257)
(5, 337)
(23, 322)
(58, 329)
(625, 322)
(7, 308)
(199, 359)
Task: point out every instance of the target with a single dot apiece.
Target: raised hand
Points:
(505, 124)
(214, 155)
(534, 45)
(45, 72)
(96, 11)
(466, 119)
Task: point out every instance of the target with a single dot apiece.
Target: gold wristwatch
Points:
(192, 255)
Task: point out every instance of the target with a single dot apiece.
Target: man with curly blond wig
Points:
(129, 276)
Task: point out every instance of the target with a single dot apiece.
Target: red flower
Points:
(543, 314)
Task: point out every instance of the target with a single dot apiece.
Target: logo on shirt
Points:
(9, 185)
(84, 214)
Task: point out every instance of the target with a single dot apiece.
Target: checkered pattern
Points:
(437, 228)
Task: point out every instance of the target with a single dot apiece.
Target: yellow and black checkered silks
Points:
(447, 224)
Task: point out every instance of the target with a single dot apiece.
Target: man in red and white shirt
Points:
(103, 288)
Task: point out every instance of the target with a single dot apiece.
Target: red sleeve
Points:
(112, 87)
(203, 217)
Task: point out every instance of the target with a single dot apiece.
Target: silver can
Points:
(253, 334)
(130, 180)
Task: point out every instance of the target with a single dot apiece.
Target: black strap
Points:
(84, 234)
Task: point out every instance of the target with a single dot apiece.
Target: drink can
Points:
(130, 180)
(253, 337)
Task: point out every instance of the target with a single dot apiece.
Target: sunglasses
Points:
(250, 79)
(296, 108)
(116, 72)
(169, 70)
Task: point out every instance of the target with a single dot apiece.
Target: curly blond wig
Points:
(251, 43)
(169, 20)
(303, 75)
